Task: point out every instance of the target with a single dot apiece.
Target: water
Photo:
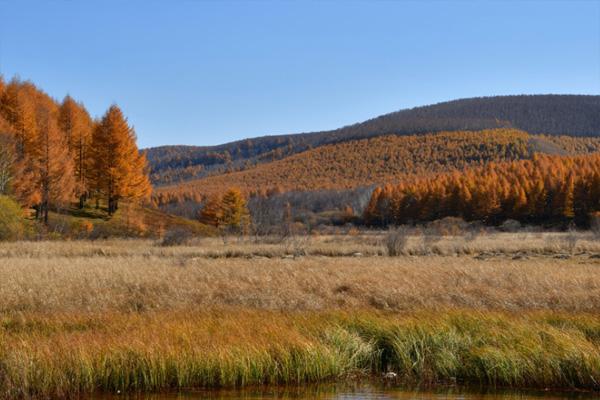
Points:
(358, 392)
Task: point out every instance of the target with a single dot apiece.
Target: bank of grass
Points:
(71, 355)
(129, 315)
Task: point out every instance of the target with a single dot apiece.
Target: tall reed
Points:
(69, 355)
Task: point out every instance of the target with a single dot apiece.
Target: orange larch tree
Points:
(545, 189)
(76, 124)
(119, 170)
(211, 213)
(53, 167)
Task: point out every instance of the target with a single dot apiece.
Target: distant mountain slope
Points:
(573, 115)
(377, 160)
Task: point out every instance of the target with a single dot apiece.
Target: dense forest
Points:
(378, 160)
(545, 189)
(571, 115)
(54, 154)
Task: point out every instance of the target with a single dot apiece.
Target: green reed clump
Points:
(491, 349)
(44, 357)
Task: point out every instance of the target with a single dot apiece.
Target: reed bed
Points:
(68, 356)
(365, 244)
(109, 316)
(138, 283)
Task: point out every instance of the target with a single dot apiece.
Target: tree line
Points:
(572, 115)
(377, 160)
(545, 189)
(53, 153)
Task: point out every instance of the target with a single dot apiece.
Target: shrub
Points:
(12, 224)
(510, 225)
(448, 226)
(296, 245)
(59, 225)
(595, 224)
(396, 240)
(431, 236)
(176, 237)
(571, 239)
(81, 229)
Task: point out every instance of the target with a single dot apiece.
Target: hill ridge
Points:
(378, 160)
(553, 114)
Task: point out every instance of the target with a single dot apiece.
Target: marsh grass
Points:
(415, 242)
(67, 356)
(136, 276)
(81, 317)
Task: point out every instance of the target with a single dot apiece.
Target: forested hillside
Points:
(546, 189)
(65, 174)
(571, 115)
(54, 157)
(378, 160)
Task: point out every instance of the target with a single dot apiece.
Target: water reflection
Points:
(358, 392)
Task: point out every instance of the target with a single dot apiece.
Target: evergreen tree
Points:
(211, 213)
(234, 210)
(547, 188)
(18, 107)
(53, 166)
(76, 124)
(119, 170)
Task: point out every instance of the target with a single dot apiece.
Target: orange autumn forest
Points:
(308, 200)
(55, 156)
(59, 154)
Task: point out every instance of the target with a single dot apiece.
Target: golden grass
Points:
(368, 244)
(66, 356)
(138, 276)
(79, 317)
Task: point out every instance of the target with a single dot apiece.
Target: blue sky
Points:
(193, 72)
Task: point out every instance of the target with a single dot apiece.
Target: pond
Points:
(358, 392)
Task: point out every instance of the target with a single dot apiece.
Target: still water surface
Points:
(359, 392)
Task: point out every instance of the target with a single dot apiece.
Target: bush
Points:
(176, 237)
(396, 240)
(448, 226)
(59, 225)
(595, 224)
(81, 229)
(510, 225)
(12, 224)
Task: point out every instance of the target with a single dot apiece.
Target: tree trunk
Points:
(45, 212)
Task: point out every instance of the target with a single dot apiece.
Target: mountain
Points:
(377, 160)
(572, 115)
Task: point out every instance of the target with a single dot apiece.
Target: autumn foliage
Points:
(228, 211)
(118, 169)
(58, 154)
(541, 190)
(379, 160)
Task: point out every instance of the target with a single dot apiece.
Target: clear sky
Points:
(193, 72)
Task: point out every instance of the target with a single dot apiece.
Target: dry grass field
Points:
(501, 272)
(498, 309)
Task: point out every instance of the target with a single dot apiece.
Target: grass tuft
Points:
(235, 348)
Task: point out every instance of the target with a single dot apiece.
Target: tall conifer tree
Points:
(119, 170)
(76, 124)
(53, 167)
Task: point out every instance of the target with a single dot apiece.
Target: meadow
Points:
(502, 309)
